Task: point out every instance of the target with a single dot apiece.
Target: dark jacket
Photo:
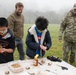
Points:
(7, 42)
(32, 42)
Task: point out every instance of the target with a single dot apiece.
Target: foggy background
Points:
(53, 10)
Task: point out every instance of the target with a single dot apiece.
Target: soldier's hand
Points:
(60, 40)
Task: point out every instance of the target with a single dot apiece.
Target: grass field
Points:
(55, 50)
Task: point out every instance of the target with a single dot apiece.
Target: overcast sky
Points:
(40, 5)
(49, 4)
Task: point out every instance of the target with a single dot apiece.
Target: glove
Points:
(52, 58)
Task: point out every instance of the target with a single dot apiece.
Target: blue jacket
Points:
(32, 42)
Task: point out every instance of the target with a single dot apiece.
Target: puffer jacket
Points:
(32, 42)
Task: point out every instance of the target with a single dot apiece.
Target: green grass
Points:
(55, 50)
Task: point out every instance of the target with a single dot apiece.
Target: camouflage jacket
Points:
(68, 27)
(16, 23)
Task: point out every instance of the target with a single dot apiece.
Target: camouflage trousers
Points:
(69, 48)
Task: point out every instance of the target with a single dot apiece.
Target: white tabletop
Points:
(44, 69)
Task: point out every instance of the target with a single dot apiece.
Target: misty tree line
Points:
(53, 17)
(30, 16)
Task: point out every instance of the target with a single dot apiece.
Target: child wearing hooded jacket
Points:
(38, 39)
(7, 42)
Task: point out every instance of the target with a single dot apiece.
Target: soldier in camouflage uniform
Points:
(68, 27)
(16, 23)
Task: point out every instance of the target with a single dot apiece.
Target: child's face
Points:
(3, 30)
(40, 30)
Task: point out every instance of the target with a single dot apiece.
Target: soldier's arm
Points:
(62, 28)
